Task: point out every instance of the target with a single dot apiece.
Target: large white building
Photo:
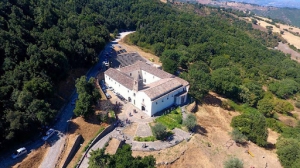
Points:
(146, 87)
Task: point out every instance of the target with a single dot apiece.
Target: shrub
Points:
(237, 136)
(159, 131)
(253, 125)
(233, 163)
(190, 121)
(145, 139)
(297, 104)
(288, 151)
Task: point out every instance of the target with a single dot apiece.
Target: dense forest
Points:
(217, 51)
(214, 50)
(40, 42)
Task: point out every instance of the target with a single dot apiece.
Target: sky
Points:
(275, 3)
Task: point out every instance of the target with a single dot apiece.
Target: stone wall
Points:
(73, 151)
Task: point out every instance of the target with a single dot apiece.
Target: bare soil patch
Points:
(88, 129)
(133, 48)
(289, 37)
(287, 50)
(273, 136)
(34, 159)
(287, 120)
(131, 129)
(112, 146)
(211, 145)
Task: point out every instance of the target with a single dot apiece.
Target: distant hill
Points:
(275, 9)
(288, 15)
(274, 3)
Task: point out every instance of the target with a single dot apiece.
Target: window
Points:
(143, 100)
(119, 85)
(133, 94)
(133, 101)
(130, 74)
(162, 100)
(144, 80)
(115, 82)
(156, 102)
(128, 91)
(153, 76)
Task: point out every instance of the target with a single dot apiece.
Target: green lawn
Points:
(171, 120)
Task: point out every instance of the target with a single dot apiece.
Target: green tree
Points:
(190, 122)
(250, 93)
(233, 163)
(158, 48)
(266, 107)
(159, 131)
(284, 88)
(253, 125)
(83, 106)
(288, 151)
(225, 81)
(220, 62)
(98, 159)
(199, 78)
(282, 106)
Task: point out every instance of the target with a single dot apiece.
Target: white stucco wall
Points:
(151, 107)
(149, 78)
(164, 101)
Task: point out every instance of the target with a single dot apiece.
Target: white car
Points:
(49, 133)
(19, 152)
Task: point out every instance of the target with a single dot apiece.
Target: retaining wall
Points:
(98, 137)
(73, 151)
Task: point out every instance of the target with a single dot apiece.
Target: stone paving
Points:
(143, 130)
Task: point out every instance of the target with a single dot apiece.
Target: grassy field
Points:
(171, 120)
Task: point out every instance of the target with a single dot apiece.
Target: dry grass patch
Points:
(133, 48)
(209, 148)
(33, 159)
(88, 129)
(112, 146)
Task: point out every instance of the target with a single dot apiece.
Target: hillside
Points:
(286, 12)
(213, 49)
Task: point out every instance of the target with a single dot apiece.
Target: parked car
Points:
(49, 133)
(110, 88)
(107, 95)
(102, 82)
(19, 152)
(104, 90)
(121, 97)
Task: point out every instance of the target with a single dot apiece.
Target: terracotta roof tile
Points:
(161, 87)
(148, 68)
(120, 77)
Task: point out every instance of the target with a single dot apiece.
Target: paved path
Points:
(143, 130)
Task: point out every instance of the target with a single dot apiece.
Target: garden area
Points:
(171, 120)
